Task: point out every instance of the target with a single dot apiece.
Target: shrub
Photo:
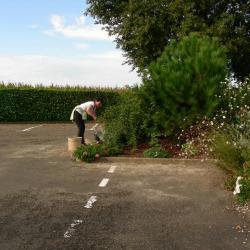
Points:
(156, 152)
(189, 149)
(124, 122)
(88, 153)
(111, 151)
(183, 85)
(235, 97)
(228, 153)
(232, 148)
(27, 103)
(232, 145)
(235, 102)
(244, 194)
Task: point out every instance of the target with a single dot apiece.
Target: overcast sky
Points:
(51, 41)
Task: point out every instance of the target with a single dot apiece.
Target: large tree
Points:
(144, 27)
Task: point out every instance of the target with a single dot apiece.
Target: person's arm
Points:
(90, 111)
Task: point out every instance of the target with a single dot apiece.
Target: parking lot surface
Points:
(48, 201)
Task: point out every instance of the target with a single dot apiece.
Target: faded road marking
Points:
(70, 231)
(28, 129)
(91, 201)
(112, 169)
(104, 182)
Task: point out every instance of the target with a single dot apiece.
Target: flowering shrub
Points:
(232, 148)
(234, 99)
(189, 149)
(233, 107)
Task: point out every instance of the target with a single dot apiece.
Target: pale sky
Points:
(51, 41)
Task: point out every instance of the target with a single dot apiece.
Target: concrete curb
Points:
(142, 160)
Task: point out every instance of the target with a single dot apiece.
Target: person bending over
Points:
(79, 115)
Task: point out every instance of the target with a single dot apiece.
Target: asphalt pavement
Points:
(48, 201)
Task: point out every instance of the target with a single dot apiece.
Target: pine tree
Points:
(184, 84)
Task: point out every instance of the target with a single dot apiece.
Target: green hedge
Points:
(47, 104)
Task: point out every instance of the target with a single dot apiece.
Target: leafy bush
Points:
(232, 145)
(183, 85)
(26, 103)
(111, 151)
(244, 194)
(88, 153)
(229, 155)
(235, 101)
(189, 149)
(232, 148)
(234, 98)
(156, 152)
(124, 122)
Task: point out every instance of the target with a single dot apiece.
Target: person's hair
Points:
(97, 100)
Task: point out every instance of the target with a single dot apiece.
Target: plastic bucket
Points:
(74, 143)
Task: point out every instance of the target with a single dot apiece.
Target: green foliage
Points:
(124, 122)
(88, 153)
(244, 194)
(189, 149)
(232, 145)
(232, 148)
(112, 151)
(230, 182)
(26, 103)
(181, 86)
(235, 98)
(156, 152)
(229, 155)
(144, 28)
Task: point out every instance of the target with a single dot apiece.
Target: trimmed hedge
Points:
(26, 103)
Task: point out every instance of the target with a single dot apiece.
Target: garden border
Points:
(153, 160)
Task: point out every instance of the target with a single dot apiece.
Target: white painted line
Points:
(91, 201)
(112, 169)
(28, 129)
(70, 231)
(104, 182)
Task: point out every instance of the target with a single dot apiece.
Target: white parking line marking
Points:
(91, 201)
(112, 169)
(70, 231)
(28, 129)
(104, 182)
